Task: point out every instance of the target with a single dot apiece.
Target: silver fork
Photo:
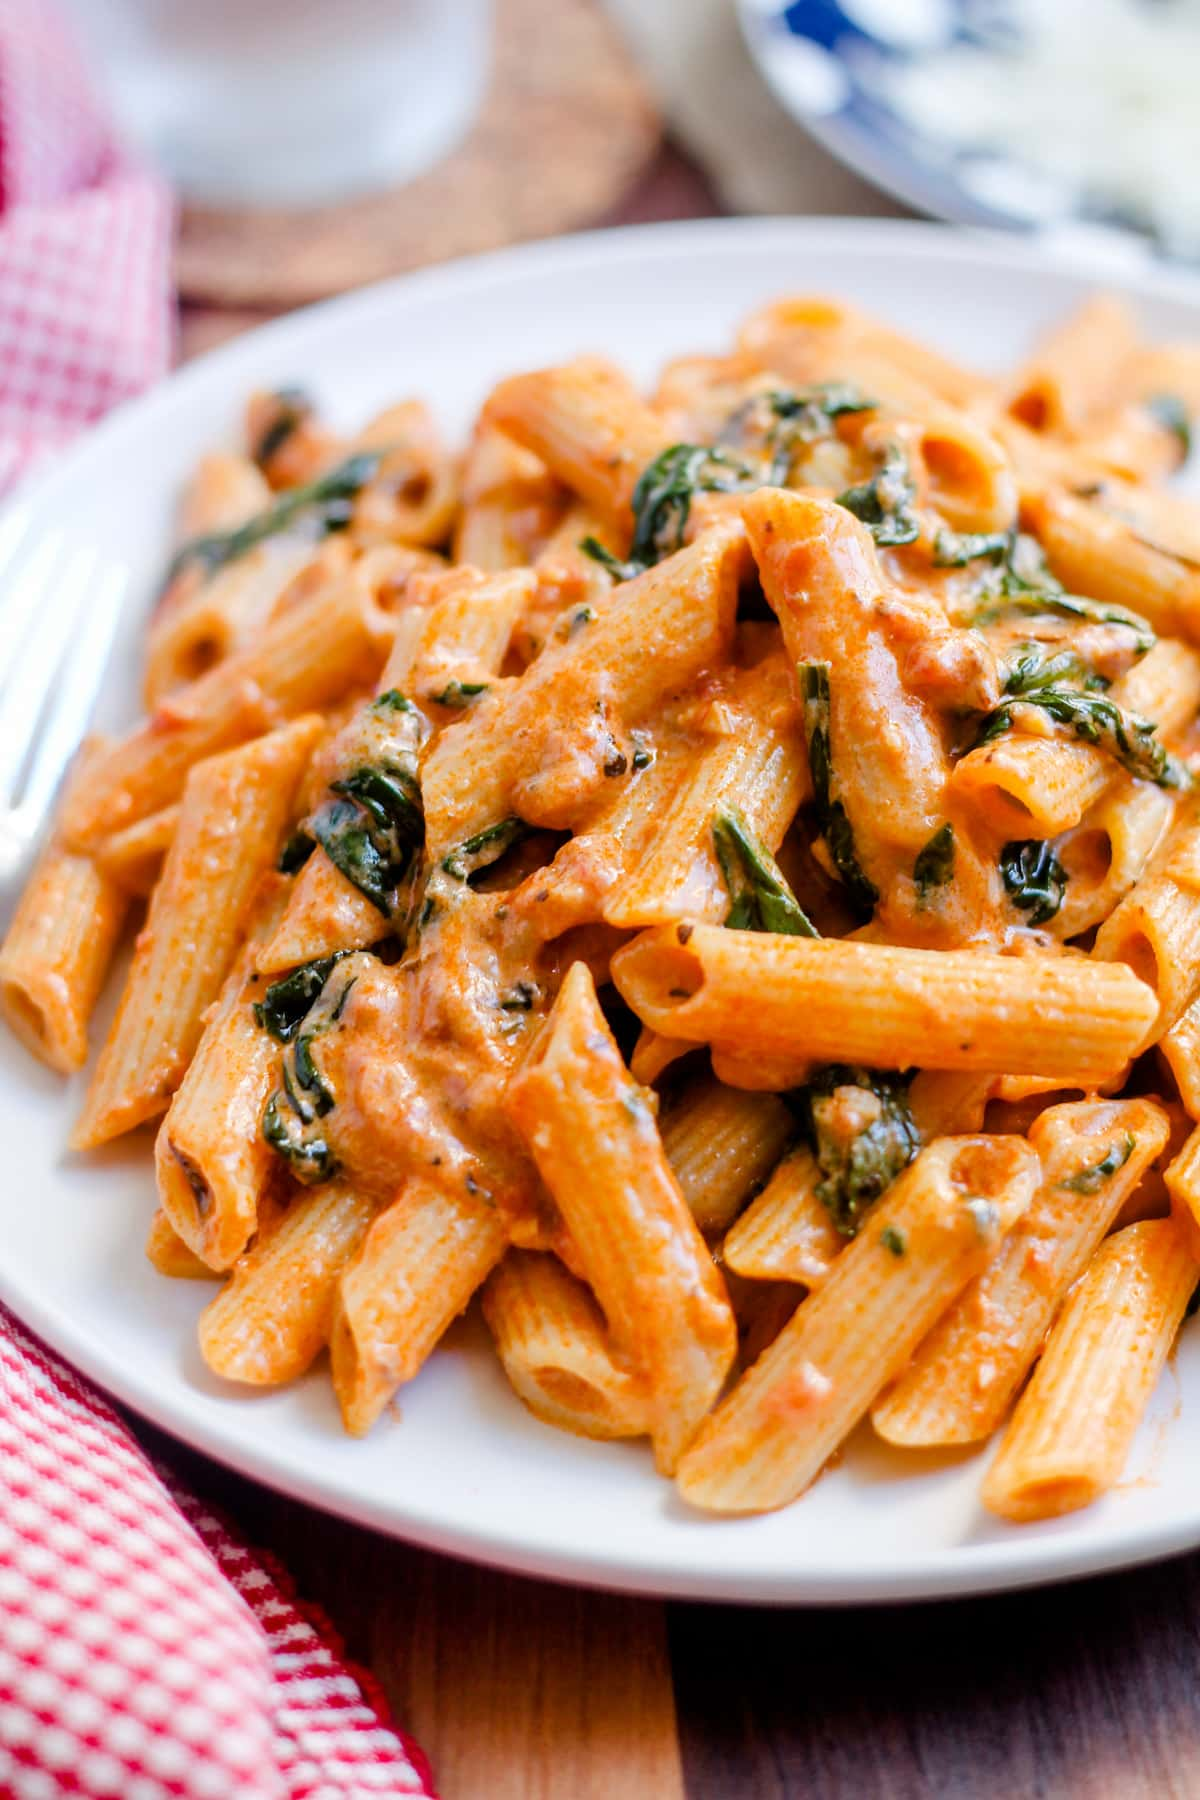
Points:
(59, 608)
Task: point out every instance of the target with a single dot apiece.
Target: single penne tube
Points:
(885, 1006)
(552, 1340)
(722, 1143)
(272, 1316)
(305, 659)
(133, 858)
(414, 1272)
(961, 1382)
(510, 503)
(1156, 932)
(754, 763)
(1043, 786)
(1108, 851)
(56, 955)
(1182, 1177)
(1075, 373)
(962, 472)
(589, 427)
(1097, 552)
(937, 1227)
(1179, 1047)
(1070, 1436)
(212, 1162)
(457, 631)
(222, 615)
(413, 496)
(224, 490)
(234, 811)
(540, 750)
(787, 1233)
(598, 1150)
(171, 1256)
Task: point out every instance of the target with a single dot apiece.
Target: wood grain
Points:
(1084, 1692)
(524, 1691)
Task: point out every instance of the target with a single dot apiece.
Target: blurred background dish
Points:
(1019, 113)
(288, 102)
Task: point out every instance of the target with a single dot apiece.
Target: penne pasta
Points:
(306, 658)
(961, 1382)
(885, 1006)
(812, 735)
(598, 1151)
(551, 1338)
(943, 1220)
(231, 820)
(414, 1272)
(133, 858)
(56, 954)
(212, 1163)
(1070, 1436)
(721, 1145)
(272, 1316)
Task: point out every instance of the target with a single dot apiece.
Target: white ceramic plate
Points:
(461, 1467)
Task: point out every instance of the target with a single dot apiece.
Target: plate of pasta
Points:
(616, 985)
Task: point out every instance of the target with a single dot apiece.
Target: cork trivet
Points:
(566, 126)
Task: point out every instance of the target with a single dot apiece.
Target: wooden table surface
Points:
(524, 1690)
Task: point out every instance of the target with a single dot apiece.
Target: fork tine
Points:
(71, 710)
(19, 605)
(31, 674)
(13, 525)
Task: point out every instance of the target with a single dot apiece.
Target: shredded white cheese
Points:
(1096, 101)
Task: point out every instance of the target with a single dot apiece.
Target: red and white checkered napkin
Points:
(144, 1652)
(85, 236)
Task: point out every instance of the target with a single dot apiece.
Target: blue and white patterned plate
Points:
(828, 63)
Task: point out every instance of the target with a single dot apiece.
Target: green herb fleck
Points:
(1035, 879)
(284, 1006)
(761, 898)
(1096, 1175)
(1094, 719)
(1033, 670)
(954, 550)
(834, 820)
(296, 852)
(803, 416)
(893, 1239)
(487, 846)
(662, 501)
(887, 502)
(291, 1119)
(458, 694)
(327, 501)
(374, 826)
(857, 1164)
(292, 409)
(934, 867)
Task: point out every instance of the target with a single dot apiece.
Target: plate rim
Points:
(994, 1565)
